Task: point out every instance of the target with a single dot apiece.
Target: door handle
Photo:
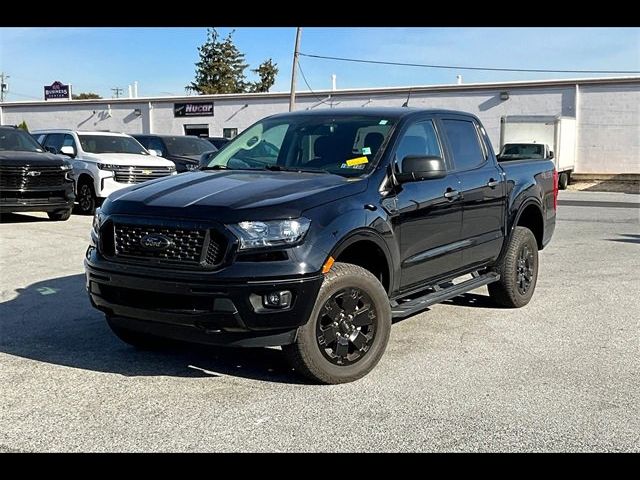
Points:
(493, 183)
(452, 194)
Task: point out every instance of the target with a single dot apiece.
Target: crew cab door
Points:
(428, 212)
(482, 185)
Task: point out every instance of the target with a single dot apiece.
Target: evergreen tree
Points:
(23, 126)
(221, 66)
(267, 71)
(85, 96)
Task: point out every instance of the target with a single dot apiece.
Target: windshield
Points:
(17, 140)
(110, 144)
(517, 151)
(183, 146)
(343, 145)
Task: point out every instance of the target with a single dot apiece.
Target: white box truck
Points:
(540, 137)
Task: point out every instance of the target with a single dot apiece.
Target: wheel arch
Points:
(366, 248)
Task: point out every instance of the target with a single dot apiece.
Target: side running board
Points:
(437, 295)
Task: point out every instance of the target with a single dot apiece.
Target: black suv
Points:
(183, 150)
(32, 180)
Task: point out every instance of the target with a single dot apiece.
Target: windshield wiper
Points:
(280, 168)
(216, 167)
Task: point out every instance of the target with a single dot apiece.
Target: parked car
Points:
(103, 162)
(357, 217)
(218, 142)
(32, 180)
(183, 150)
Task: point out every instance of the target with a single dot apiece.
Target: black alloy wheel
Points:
(524, 269)
(346, 326)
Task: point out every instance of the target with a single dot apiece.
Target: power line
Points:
(452, 67)
(307, 83)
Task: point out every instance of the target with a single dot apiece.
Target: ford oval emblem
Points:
(155, 241)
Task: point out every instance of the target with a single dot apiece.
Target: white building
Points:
(607, 111)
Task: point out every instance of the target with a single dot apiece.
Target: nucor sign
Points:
(193, 109)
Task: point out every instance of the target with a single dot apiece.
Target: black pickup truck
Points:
(32, 180)
(313, 230)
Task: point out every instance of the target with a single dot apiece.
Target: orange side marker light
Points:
(327, 265)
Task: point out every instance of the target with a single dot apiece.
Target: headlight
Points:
(97, 221)
(106, 166)
(66, 167)
(270, 234)
(192, 166)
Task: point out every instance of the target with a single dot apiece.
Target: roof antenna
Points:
(406, 103)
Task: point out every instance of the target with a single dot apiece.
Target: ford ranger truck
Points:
(313, 230)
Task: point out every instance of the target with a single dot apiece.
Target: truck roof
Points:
(79, 132)
(391, 112)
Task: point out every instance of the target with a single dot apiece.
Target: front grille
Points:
(22, 178)
(140, 174)
(184, 247)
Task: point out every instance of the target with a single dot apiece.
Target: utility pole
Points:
(3, 85)
(294, 71)
(117, 92)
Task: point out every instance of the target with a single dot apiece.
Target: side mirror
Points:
(417, 167)
(51, 150)
(551, 155)
(68, 150)
(155, 153)
(206, 157)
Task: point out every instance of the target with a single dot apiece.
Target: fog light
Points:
(277, 299)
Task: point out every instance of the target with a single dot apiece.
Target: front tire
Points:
(59, 216)
(348, 330)
(86, 197)
(518, 271)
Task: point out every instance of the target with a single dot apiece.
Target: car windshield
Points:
(110, 144)
(182, 146)
(522, 150)
(17, 140)
(342, 145)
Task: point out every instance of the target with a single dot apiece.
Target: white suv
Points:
(103, 162)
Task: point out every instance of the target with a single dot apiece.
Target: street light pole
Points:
(294, 71)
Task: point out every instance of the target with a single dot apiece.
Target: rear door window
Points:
(464, 142)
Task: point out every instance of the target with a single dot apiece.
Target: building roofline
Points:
(344, 91)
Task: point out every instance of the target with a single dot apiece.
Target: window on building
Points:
(229, 132)
(198, 130)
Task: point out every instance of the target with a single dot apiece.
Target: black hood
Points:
(184, 158)
(232, 196)
(10, 158)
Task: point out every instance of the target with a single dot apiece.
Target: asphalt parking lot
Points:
(561, 374)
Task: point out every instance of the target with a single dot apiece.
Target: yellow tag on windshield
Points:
(357, 161)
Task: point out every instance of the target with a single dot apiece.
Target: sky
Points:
(162, 59)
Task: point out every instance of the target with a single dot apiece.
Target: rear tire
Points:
(86, 198)
(563, 180)
(518, 271)
(59, 216)
(141, 341)
(348, 330)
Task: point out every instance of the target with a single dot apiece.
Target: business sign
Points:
(57, 90)
(201, 109)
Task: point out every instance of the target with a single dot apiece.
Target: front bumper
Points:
(37, 200)
(213, 311)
